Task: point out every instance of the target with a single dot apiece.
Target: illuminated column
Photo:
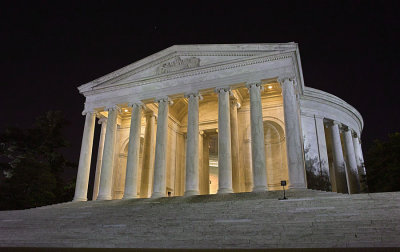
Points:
(338, 159)
(360, 163)
(351, 169)
(235, 145)
(224, 142)
(257, 138)
(160, 161)
(192, 147)
(103, 122)
(200, 161)
(106, 176)
(82, 179)
(205, 182)
(148, 155)
(133, 152)
(294, 146)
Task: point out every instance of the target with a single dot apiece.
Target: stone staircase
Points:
(244, 220)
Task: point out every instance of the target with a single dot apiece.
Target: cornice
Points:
(197, 71)
(313, 94)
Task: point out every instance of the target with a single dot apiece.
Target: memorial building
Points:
(206, 119)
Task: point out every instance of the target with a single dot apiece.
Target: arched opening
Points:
(275, 155)
(120, 170)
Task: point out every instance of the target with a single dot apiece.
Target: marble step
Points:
(249, 220)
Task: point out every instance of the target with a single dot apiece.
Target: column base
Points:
(130, 197)
(157, 195)
(224, 190)
(191, 193)
(104, 197)
(259, 189)
(79, 199)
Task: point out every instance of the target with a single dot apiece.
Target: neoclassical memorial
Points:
(205, 119)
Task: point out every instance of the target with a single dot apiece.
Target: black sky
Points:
(348, 48)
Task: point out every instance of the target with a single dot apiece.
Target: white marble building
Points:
(202, 119)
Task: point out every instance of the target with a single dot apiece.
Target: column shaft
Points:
(257, 138)
(103, 122)
(294, 146)
(148, 155)
(192, 147)
(235, 146)
(160, 162)
(132, 164)
(351, 168)
(224, 143)
(322, 148)
(200, 161)
(360, 164)
(205, 182)
(82, 179)
(338, 159)
(106, 177)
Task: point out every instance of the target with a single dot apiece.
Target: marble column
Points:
(322, 148)
(85, 157)
(269, 156)
(338, 159)
(192, 146)
(106, 177)
(200, 161)
(205, 183)
(257, 138)
(160, 159)
(235, 145)
(103, 122)
(360, 163)
(224, 142)
(351, 168)
(148, 155)
(132, 164)
(294, 145)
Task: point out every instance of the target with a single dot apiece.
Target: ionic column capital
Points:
(223, 89)
(102, 120)
(164, 99)
(113, 108)
(193, 94)
(234, 102)
(345, 128)
(331, 123)
(252, 84)
(287, 79)
(149, 113)
(354, 134)
(136, 104)
(91, 112)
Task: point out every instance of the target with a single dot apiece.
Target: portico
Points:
(207, 119)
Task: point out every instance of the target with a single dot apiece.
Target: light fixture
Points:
(269, 87)
(283, 183)
(126, 110)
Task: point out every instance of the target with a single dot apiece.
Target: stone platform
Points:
(245, 220)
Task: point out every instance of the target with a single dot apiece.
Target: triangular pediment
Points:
(181, 58)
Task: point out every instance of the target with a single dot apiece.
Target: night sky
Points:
(48, 49)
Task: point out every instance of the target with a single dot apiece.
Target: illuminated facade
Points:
(203, 119)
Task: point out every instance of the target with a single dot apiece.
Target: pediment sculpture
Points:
(177, 64)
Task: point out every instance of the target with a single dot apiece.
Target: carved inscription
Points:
(177, 64)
